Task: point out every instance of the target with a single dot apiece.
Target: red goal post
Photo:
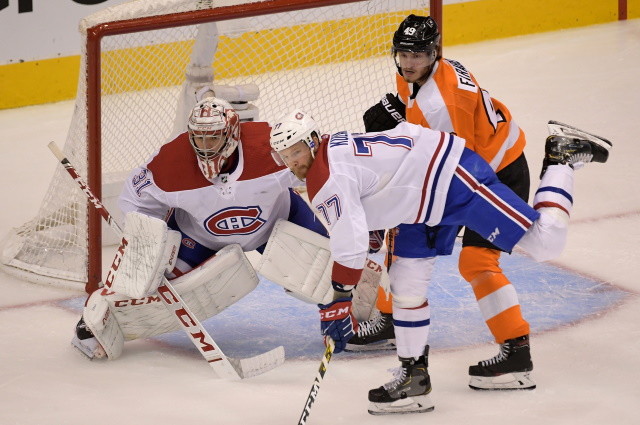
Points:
(141, 60)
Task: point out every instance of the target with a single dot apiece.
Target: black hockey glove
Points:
(384, 115)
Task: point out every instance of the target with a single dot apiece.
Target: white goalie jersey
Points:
(240, 206)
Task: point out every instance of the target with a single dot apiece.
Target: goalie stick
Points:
(313, 393)
(225, 367)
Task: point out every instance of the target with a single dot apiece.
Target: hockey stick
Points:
(391, 237)
(313, 393)
(225, 367)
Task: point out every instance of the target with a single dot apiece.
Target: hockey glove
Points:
(376, 239)
(384, 115)
(337, 322)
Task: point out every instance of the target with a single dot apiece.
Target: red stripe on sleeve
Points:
(345, 275)
(550, 205)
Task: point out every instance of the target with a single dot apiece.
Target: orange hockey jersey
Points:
(451, 100)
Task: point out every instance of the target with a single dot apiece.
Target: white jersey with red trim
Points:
(370, 181)
(240, 207)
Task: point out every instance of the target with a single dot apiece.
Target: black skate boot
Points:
(569, 145)
(408, 392)
(86, 342)
(375, 334)
(509, 370)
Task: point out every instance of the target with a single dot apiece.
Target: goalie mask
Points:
(297, 126)
(417, 34)
(214, 133)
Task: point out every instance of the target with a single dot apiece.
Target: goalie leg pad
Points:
(148, 250)
(101, 322)
(365, 294)
(208, 289)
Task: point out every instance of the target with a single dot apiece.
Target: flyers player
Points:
(442, 94)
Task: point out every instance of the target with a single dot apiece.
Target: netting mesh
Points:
(333, 62)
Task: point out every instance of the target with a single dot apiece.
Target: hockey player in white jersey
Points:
(419, 176)
(209, 194)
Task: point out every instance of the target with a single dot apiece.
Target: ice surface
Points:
(584, 308)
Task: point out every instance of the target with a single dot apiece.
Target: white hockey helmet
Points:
(214, 133)
(294, 127)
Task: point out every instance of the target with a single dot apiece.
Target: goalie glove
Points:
(337, 322)
(384, 115)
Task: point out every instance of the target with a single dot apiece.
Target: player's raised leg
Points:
(566, 148)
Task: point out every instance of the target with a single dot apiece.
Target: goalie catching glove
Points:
(337, 322)
(384, 115)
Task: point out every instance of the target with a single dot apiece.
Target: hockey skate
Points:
(84, 341)
(375, 334)
(509, 370)
(569, 145)
(408, 392)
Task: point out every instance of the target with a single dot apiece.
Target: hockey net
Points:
(140, 60)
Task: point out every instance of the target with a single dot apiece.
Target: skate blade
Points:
(387, 344)
(507, 381)
(560, 129)
(415, 404)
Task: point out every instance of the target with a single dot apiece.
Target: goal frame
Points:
(93, 97)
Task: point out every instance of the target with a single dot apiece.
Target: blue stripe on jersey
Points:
(438, 173)
(408, 324)
(558, 191)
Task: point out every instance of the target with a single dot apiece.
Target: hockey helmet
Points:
(416, 34)
(296, 126)
(214, 133)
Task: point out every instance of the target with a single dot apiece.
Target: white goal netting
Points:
(332, 61)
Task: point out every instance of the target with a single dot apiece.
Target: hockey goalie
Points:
(191, 212)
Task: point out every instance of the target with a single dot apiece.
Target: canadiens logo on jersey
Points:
(235, 221)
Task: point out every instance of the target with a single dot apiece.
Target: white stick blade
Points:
(257, 365)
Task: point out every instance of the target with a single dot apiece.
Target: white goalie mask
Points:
(214, 133)
(297, 126)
